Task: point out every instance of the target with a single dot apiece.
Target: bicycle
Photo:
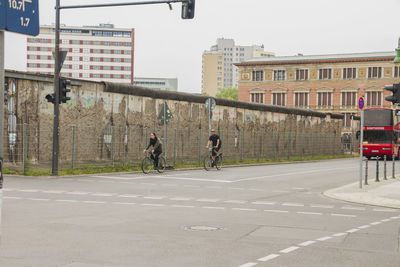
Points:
(209, 163)
(148, 163)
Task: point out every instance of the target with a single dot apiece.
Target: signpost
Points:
(361, 104)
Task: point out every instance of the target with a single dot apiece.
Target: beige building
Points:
(213, 73)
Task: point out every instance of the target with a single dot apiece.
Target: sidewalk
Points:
(385, 193)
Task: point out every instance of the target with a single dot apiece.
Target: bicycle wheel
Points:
(147, 165)
(218, 162)
(161, 164)
(207, 163)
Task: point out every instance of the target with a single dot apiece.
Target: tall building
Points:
(330, 83)
(219, 70)
(167, 84)
(98, 53)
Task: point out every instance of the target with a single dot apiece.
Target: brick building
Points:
(328, 83)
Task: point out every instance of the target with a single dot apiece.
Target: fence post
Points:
(288, 145)
(241, 133)
(377, 170)
(334, 143)
(112, 145)
(174, 147)
(384, 168)
(24, 147)
(312, 143)
(73, 147)
(366, 172)
(393, 170)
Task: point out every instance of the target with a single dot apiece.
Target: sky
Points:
(169, 47)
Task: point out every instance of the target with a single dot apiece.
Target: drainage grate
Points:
(202, 228)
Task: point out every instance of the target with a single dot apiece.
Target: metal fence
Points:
(31, 145)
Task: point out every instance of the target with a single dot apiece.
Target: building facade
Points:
(166, 84)
(218, 69)
(97, 53)
(329, 83)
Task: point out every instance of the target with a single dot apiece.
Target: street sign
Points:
(22, 16)
(361, 103)
(2, 15)
(210, 102)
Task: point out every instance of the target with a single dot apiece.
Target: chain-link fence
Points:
(31, 145)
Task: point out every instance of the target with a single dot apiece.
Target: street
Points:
(271, 215)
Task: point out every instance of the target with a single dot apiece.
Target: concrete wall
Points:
(107, 122)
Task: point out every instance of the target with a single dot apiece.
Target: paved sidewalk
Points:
(385, 193)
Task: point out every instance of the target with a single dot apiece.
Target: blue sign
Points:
(2, 15)
(361, 103)
(22, 16)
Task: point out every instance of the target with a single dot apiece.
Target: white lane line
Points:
(39, 199)
(256, 189)
(119, 177)
(94, 202)
(66, 200)
(182, 206)
(129, 196)
(77, 193)
(249, 264)
(207, 200)
(28, 190)
(53, 191)
(269, 257)
(353, 230)
(322, 206)
(12, 197)
(309, 213)
(395, 217)
(237, 188)
(10, 189)
(289, 249)
(293, 204)
(180, 198)
(352, 208)
(277, 211)
(124, 203)
(194, 179)
(280, 191)
(102, 194)
(263, 203)
(307, 243)
(235, 201)
(298, 188)
(375, 223)
(213, 208)
(343, 215)
(151, 184)
(214, 187)
(339, 234)
(385, 220)
(169, 184)
(364, 226)
(155, 197)
(384, 210)
(153, 205)
(324, 238)
(192, 186)
(243, 209)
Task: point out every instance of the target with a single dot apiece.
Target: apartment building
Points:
(167, 84)
(98, 53)
(330, 83)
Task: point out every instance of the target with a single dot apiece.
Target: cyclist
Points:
(156, 150)
(216, 143)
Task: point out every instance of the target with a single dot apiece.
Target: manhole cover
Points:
(202, 228)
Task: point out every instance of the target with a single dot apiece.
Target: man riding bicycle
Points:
(216, 143)
(157, 148)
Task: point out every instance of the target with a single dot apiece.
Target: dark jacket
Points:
(156, 144)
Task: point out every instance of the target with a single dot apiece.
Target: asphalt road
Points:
(271, 215)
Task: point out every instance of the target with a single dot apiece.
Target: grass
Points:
(31, 170)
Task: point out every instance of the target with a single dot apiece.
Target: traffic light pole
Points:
(165, 130)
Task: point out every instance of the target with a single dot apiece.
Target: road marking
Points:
(214, 187)
(256, 189)
(53, 191)
(66, 200)
(28, 190)
(385, 220)
(289, 249)
(119, 177)
(352, 208)
(353, 230)
(129, 196)
(293, 204)
(309, 213)
(277, 211)
(324, 238)
(102, 194)
(236, 201)
(249, 264)
(298, 188)
(322, 206)
(169, 184)
(364, 226)
(10, 189)
(77, 193)
(269, 257)
(343, 215)
(237, 188)
(193, 179)
(39, 199)
(12, 197)
(280, 191)
(214, 208)
(307, 243)
(243, 209)
(153, 205)
(207, 200)
(375, 223)
(155, 197)
(395, 217)
(384, 210)
(339, 234)
(124, 203)
(180, 198)
(263, 203)
(192, 186)
(151, 184)
(182, 206)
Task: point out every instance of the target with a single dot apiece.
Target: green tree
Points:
(228, 93)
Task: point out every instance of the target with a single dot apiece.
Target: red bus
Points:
(380, 136)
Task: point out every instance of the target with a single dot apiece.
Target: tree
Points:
(228, 93)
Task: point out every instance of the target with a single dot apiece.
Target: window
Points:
(301, 75)
(325, 74)
(374, 98)
(279, 75)
(397, 72)
(374, 72)
(258, 75)
(301, 99)
(349, 73)
(324, 99)
(257, 97)
(279, 99)
(347, 119)
(348, 99)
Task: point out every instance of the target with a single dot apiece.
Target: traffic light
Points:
(188, 9)
(64, 90)
(168, 114)
(395, 97)
(51, 98)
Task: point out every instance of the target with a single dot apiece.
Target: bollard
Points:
(377, 170)
(366, 172)
(393, 169)
(384, 167)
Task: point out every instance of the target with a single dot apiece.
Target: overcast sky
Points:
(167, 46)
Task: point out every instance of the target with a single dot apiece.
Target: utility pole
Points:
(2, 81)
